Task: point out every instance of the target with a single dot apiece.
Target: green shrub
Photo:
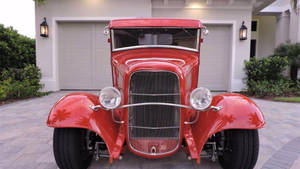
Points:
(16, 51)
(20, 83)
(296, 88)
(270, 88)
(264, 78)
(19, 77)
(13, 73)
(265, 69)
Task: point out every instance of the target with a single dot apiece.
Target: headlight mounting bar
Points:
(214, 108)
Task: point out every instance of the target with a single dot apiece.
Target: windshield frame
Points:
(155, 46)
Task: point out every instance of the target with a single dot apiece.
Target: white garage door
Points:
(83, 56)
(215, 58)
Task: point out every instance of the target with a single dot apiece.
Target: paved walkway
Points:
(26, 141)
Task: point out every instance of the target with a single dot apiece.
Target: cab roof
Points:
(155, 22)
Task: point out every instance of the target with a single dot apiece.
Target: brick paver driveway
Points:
(26, 141)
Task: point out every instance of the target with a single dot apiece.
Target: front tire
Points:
(240, 149)
(70, 148)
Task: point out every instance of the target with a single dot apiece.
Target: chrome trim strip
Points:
(96, 108)
(214, 108)
(153, 150)
(112, 39)
(155, 103)
(198, 40)
(116, 121)
(155, 46)
(154, 128)
(156, 59)
(145, 94)
(194, 121)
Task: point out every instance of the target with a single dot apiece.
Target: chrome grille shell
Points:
(154, 124)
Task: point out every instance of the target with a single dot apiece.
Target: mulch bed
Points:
(271, 98)
(9, 101)
(19, 99)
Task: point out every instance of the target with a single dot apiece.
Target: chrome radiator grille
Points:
(154, 126)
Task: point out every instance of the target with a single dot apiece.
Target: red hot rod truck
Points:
(154, 106)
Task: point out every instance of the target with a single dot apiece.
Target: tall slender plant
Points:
(292, 51)
(294, 4)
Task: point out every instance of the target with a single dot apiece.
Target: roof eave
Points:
(259, 5)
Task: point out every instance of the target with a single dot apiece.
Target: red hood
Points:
(184, 63)
(178, 61)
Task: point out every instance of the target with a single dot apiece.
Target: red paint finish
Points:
(238, 112)
(155, 22)
(73, 111)
(190, 141)
(118, 147)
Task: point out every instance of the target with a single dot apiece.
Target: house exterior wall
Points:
(266, 35)
(282, 34)
(72, 9)
(298, 20)
(295, 25)
(287, 26)
(104, 10)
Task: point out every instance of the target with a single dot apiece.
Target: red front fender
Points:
(238, 112)
(73, 111)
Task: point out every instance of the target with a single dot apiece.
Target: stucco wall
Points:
(92, 9)
(282, 34)
(295, 26)
(219, 16)
(266, 35)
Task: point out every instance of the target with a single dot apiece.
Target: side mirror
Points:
(106, 31)
(205, 31)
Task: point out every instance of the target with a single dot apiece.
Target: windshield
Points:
(184, 38)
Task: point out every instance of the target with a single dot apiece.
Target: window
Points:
(185, 38)
(254, 26)
(253, 48)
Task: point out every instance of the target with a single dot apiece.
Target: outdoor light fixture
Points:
(44, 29)
(243, 32)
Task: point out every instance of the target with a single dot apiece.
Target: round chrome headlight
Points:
(110, 97)
(200, 98)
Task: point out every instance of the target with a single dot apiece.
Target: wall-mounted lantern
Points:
(44, 32)
(243, 32)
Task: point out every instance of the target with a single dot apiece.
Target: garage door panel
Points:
(81, 51)
(102, 58)
(214, 58)
(104, 74)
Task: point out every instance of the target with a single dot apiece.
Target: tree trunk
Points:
(294, 73)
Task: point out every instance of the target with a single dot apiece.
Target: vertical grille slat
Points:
(150, 124)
